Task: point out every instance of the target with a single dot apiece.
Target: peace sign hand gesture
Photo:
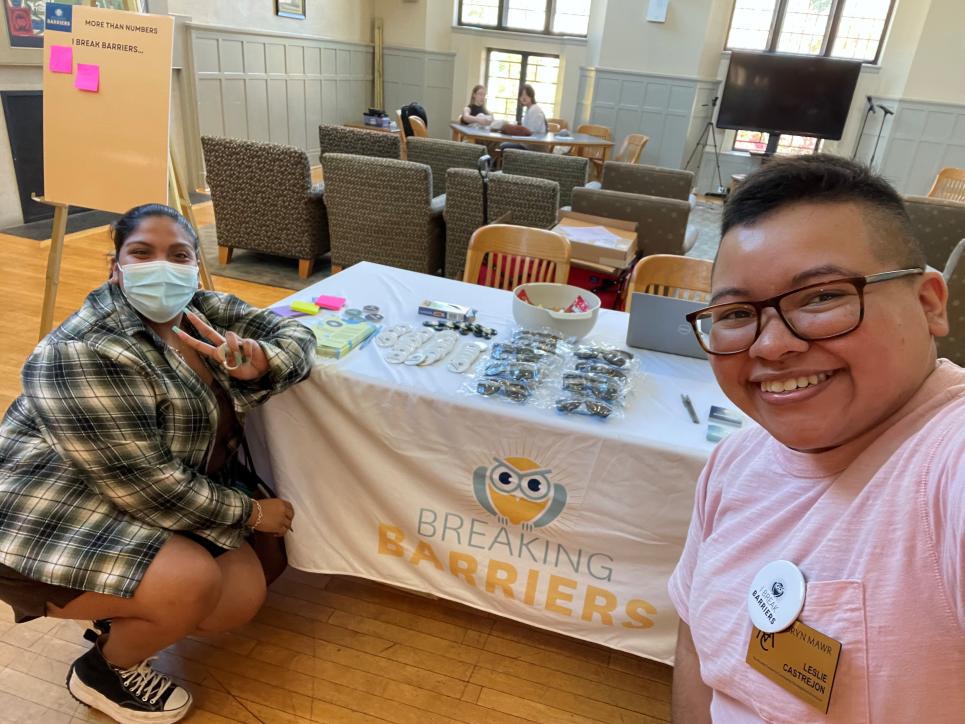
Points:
(243, 359)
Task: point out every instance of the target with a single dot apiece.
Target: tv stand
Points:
(772, 140)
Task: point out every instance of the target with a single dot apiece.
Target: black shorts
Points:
(29, 597)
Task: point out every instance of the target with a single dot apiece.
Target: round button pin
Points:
(776, 596)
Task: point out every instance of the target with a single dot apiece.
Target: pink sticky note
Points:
(335, 303)
(61, 59)
(88, 77)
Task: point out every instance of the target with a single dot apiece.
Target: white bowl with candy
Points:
(569, 310)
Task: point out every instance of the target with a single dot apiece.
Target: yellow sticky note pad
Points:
(304, 307)
(800, 659)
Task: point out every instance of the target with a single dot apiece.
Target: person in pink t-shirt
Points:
(821, 328)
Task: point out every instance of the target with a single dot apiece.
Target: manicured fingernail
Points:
(176, 329)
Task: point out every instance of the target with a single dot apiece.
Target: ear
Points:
(114, 275)
(933, 297)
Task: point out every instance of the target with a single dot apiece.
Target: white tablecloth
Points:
(380, 460)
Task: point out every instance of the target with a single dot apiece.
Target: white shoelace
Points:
(144, 682)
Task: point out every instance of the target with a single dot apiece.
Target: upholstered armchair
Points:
(632, 178)
(264, 200)
(342, 139)
(568, 171)
(440, 156)
(661, 223)
(938, 224)
(952, 346)
(381, 210)
(530, 202)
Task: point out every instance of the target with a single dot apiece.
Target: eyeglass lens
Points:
(815, 313)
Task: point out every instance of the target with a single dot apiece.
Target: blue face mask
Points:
(160, 290)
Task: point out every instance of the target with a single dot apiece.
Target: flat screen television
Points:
(803, 95)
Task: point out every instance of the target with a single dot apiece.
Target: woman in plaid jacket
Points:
(110, 501)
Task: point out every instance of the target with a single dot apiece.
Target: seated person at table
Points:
(117, 501)
(533, 118)
(475, 113)
(822, 328)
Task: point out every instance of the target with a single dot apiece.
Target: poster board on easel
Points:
(107, 90)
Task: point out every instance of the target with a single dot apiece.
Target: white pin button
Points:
(776, 596)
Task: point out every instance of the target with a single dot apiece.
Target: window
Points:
(507, 71)
(850, 29)
(550, 17)
(756, 142)
(836, 28)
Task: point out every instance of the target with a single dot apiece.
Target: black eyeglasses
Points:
(584, 406)
(603, 388)
(817, 311)
(517, 391)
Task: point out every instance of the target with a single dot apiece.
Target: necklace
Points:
(177, 351)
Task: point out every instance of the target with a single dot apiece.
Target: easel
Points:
(178, 198)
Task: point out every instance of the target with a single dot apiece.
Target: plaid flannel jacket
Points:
(100, 455)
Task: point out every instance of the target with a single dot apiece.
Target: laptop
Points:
(658, 323)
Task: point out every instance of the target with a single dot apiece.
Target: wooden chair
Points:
(553, 127)
(670, 275)
(596, 155)
(632, 147)
(561, 122)
(419, 129)
(949, 185)
(516, 255)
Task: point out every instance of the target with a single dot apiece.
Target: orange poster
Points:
(107, 89)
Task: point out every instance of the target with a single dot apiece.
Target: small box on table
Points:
(446, 310)
(598, 239)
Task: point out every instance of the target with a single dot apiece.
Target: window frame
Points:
(830, 30)
(733, 145)
(524, 64)
(503, 12)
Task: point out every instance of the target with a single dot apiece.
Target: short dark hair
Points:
(128, 223)
(528, 90)
(823, 178)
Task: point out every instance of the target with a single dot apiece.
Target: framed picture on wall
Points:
(25, 18)
(290, 8)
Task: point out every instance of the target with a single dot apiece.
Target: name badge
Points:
(800, 659)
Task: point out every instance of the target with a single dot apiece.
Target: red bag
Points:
(514, 129)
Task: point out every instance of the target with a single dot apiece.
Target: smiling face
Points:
(841, 387)
(156, 238)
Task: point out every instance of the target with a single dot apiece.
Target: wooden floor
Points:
(324, 648)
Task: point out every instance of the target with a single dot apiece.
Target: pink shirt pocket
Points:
(836, 609)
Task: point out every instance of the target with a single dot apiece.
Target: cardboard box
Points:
(618, 255)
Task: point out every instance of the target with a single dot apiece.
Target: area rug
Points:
(705, 217)
(253, 266)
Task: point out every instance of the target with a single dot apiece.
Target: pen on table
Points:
(690, 408)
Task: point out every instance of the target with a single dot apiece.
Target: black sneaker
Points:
(139, 695)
